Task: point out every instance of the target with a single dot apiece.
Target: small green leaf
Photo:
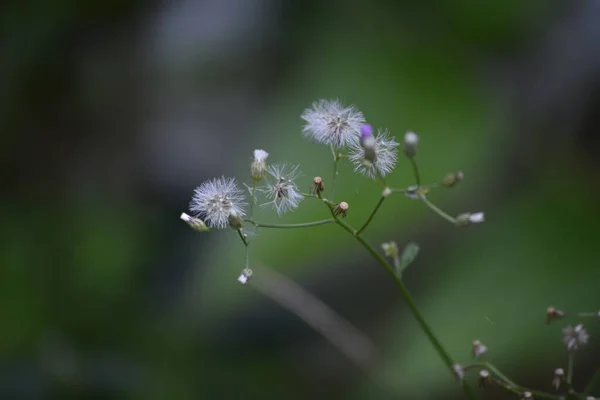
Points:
(408, 256)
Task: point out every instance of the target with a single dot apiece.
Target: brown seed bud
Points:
(485, 378)
(318, 186)
(553, 313)
(451, 179)
(341, 209)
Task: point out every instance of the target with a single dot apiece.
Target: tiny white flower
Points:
(216, 200)
(332, 123)
(476, 218)
(258, 168)
(281, 189)
(385, 156)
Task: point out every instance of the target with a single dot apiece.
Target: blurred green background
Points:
(113, 112)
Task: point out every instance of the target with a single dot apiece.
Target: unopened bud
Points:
(390, 249)
(411, 141)
(368, 143)
(478, 349)
(317, 186)
(387, 192)
(559, 376)
(553, 313)
(469, 219)
(527, 396)
(235, 221)
(245, 276)
(451, 179)
(195, 223)
(341, 209)
(258, 168)
(485, 378)
(459, 371)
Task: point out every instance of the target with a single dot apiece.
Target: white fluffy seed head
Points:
(216, 199)
(332, 123)
(281, 189)
(385, 158)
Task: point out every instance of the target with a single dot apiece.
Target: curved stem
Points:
(443, 354)
(368, 221)
(290, 226)
(243, 237)
(415, 170)
(590, 386)
(438, 211)
(253, 198)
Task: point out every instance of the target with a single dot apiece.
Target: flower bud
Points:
(527, 396)
(368, 143)
(258, 168)
(459, 371)
(485, 378)
(318, 186)
(478, 349)
(245, 276)
(451, 179)
(341, 209)
(559, 376)
(411, 140)
(553, 313)
(195, 223)
(390, 249)
(235, 220)
(469, 219)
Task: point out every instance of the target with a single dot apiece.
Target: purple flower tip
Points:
(366, 130)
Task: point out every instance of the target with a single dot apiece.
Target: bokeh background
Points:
(112, 112)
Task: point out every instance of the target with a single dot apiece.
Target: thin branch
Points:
(290, 226)
(368, 221)
(438, 211)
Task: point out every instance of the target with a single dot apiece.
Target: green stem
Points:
(415, 170)
(590, 386)
(241, 234)
(253, 199)
(336, 160)
(290, 226)
(438, 211)
(409, 301)
(570, 368)
(508, 384)
(588, 315)
(368, 221)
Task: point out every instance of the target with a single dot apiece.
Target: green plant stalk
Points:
(290, 226)
(590, 386)
(253, 199)
(415, 168)
(368, 221)
(336, 162)
(570, 368)
(437, 210)
(443, 354)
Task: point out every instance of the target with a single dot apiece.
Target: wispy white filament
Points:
(332, 123)
(281, 188)
(385, 156)
(215, 200)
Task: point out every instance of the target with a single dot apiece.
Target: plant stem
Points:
(368, 221)
(290, 226)
(438, 211)
(590, 386)
(570, 367)
(239, 231)
(415, 170)
(253, 199)
(443, 354)
(336, 160)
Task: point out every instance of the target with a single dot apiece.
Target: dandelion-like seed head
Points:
(215, 200)
(575, 337)
(332, 123)
(385, 158)
(281, 188)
